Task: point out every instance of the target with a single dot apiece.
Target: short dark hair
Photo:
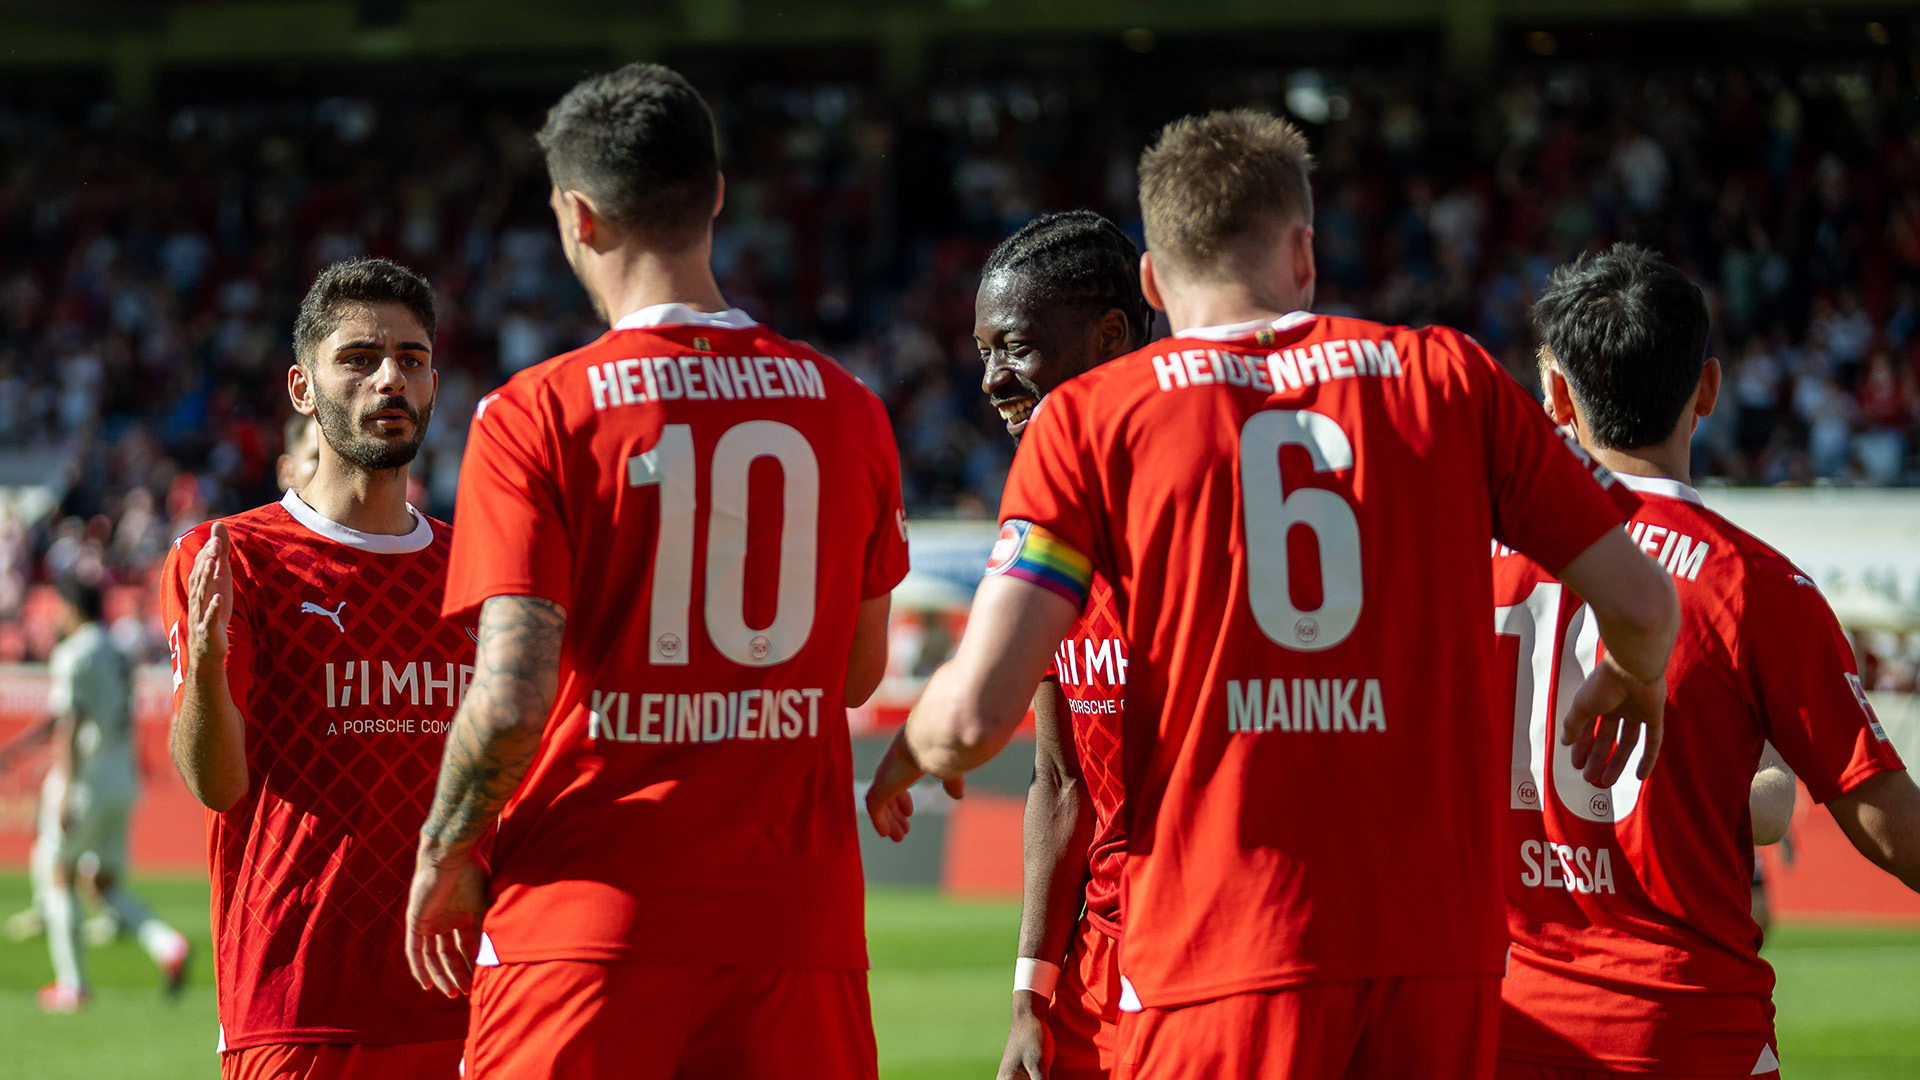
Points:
(640, 143)
(85, 597)
(1212, 184)
(1081, 260)
(1629, 331)
(358, 281)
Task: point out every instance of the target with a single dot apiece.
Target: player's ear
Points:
(1150, 282)
(300, 390)
(1304, 271)
(719, 193)
(1558, 394)
(1709, 392)
(1112, 334)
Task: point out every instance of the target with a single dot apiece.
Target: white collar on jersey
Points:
(682, 315)
(328, 529)
(1659, 485)
(1241, 329)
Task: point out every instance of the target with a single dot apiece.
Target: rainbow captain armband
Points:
(1031, 553)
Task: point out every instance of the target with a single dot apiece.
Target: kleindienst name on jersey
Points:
(708, 717)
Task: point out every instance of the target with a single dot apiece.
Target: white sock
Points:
(158, 939)
(63, 937)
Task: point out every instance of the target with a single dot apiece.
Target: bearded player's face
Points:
(372, 385)
(1028, 347)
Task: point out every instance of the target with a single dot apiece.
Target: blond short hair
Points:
(1214, 183)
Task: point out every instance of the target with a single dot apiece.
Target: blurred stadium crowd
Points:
(149, 270)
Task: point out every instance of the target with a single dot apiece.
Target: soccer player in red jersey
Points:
(1056, 299)
(686, 538)
(314, 681)
(1634, 949)
(1293, 510)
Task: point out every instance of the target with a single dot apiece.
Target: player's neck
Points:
(625, 282)
(368, 501)
(1222, 304)
(1670, 460)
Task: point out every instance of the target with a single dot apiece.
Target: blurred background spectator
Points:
(150, 265)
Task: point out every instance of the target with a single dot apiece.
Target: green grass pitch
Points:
(1849, 999)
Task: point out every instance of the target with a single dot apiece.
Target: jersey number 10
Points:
(671, 465)
(1543, 646)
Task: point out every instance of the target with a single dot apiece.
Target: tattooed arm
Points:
(493, 741)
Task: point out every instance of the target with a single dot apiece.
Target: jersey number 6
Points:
(671, 466)
(1271, 513)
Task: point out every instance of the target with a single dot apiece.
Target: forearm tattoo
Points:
(496, 733)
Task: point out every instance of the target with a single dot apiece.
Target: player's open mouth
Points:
(1016, 413)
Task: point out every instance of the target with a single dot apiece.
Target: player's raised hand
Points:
(210, 597)
(890, 796)
(1605, 721)
(444, 909)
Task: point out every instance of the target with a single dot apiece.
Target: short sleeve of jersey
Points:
(1053, 480)
(1549, 501)
(173, 608)
(887, 544)
(1810, 698)
(511, 535)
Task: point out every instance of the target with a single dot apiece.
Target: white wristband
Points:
(1036, 975)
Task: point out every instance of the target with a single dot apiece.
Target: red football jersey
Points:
(709, 502)
(348, 677)
(1091, 667)
(1634, 948)
(1294, 517)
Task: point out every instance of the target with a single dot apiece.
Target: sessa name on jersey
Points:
(713, 716)
(638, 380)
(1288, 369)
(1563, 866)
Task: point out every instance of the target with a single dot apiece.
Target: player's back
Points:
(1295, 517)
(1629, 907)
(348, 679)
(712, 502)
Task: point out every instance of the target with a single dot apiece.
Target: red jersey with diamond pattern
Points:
(709, 503)
(1294, 517)
(1634, 948)
(347, 676)
(1091, 667)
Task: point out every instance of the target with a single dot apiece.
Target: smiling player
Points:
(1056, 299)
(314, 680)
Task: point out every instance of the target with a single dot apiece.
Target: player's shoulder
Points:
(245, 526)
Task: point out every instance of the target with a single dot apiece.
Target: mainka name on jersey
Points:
(1087, 662)
(639, 380)
(1288, 369)
(710, 717)
(1256, 707)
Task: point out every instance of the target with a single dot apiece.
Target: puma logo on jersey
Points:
(311, 608)
(480, 410)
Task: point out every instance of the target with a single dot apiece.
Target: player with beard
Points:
(1056, 299)
(314, 679)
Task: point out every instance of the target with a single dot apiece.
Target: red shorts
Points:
(1085, 1015)
(1409, 1028)
(584, 1021)
(344, 1061)
(1521, 1070)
